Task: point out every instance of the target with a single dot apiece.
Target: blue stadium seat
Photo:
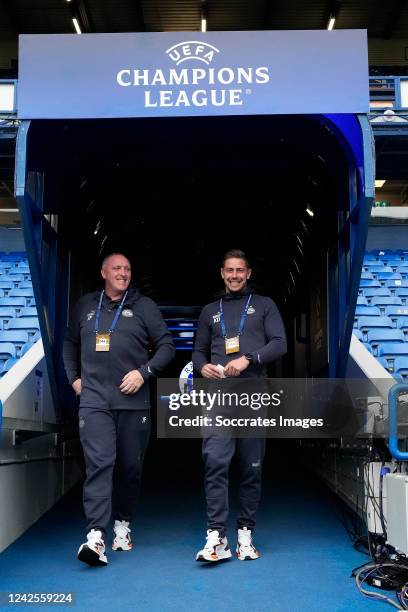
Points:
(383, 336)
(36, 337)
(24, 293)
(27, 284)
(8, 365)
(395, 284)
(16, 336)
(4, 265)
(384, 276)
(367, 311)
(23, 269)
(367, 276)
(395, 312)
(366, 323)
(26, 347)
(7, 350)
(382, 269)
(370, 257)
(394, 262)
(358, 334)
(403, 272)
(374, 291)
(31, 311)
(367, 282)
(402, 292)
(390, 351)
(361, 301)
(402, 324)
(6, 286)
(383, 302)
(368, 347)
(372, 264)
(28, 324)
(401, 366)
(28, 292)
(14, 278)
(6, 315)
(16, 303)
(384, 364)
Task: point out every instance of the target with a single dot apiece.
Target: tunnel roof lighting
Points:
(203, 24)
(380, 182)
(76, 25)
(310, 211)
(331, 23)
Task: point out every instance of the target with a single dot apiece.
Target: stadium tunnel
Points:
(175, 194)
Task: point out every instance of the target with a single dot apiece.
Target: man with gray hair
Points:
(116, 341)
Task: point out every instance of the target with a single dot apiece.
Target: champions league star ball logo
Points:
(186, 378)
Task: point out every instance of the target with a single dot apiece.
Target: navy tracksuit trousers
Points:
(114, 444)
(217, 455)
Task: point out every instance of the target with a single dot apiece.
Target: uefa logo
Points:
(192, 50)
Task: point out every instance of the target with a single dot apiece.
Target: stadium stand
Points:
(19, 327)
(381, 317)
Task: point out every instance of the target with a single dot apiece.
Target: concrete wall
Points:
(11, 240)
(31, 487)
(387, 237)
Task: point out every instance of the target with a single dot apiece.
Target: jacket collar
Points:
(132, 296)
(236, 295)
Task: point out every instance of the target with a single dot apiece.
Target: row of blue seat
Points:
(8, 315)
(13, 347)
(17, 302)
(389, 283)
(398, 316)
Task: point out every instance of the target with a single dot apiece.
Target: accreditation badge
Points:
(102, 342)
(232, 345)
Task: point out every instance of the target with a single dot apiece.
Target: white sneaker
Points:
(246, 551)
(92, 551)
(122, 540)
(215, 549)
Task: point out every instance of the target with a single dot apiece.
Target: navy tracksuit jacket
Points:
(264, 338)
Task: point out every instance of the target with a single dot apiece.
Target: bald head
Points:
(116, 272)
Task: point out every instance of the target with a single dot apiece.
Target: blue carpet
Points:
(306, 558)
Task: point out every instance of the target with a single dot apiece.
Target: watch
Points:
(249, 357)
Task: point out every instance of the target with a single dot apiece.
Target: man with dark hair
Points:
(242, 332)
(108, 364)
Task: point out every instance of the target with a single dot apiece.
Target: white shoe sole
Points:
(91, 557)
(214, 558)
(248, 557)
(119, 547)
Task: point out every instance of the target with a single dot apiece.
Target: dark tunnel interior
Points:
(175, 194)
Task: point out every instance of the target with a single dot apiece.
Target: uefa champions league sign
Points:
(195, 73)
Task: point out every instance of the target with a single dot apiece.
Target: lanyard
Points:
(117, 314)
(242, 322)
